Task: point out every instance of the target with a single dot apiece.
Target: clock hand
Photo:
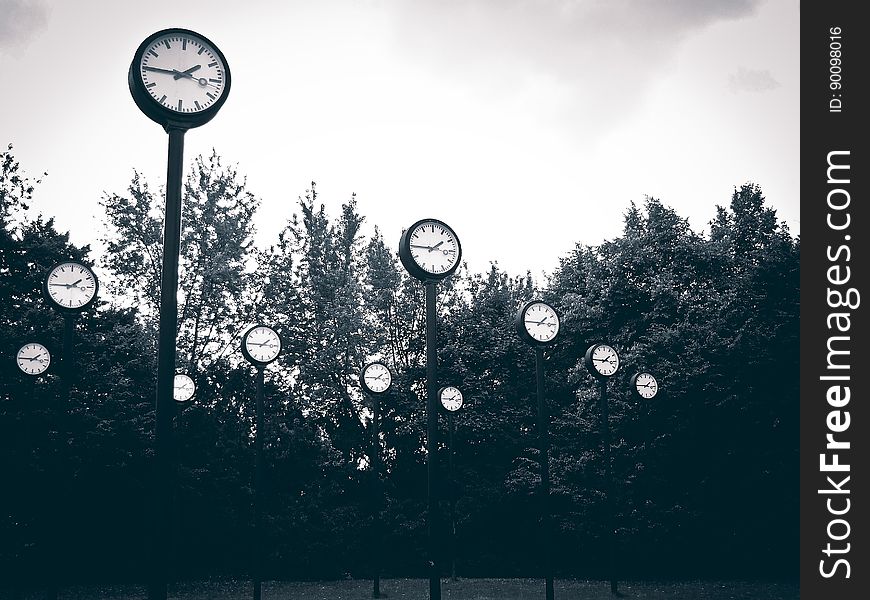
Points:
(159, 70)
(186, 72)
(429, 248)
(435, 247)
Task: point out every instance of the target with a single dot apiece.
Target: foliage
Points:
(713, 315)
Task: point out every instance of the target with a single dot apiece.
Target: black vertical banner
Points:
(835, 225)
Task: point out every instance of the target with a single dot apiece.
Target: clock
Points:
(183, 387)
(537, 323)
(70, 286)
(376, 378)
(33, 358)
(430, 250)
(179, 77)
(451, 398)
(644, 385)
(261, 345)
(601, 360)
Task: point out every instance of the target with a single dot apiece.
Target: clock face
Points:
(377, 378)
(541, 322)
(451, 398)
(646, 385)
(605, 360)
(261, 344)
(434, 247)
(71, 286)
(183, 72)
(183, 387)
(33, 358)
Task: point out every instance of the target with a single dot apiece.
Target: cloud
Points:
(20, 21)
(589, 61)
(750, 80)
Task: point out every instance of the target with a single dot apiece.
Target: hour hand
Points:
(186, 72)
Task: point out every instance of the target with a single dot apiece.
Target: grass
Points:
(463, 589)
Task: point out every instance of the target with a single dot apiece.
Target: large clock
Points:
(33, 358)
(430, 250)
(70, 286)
(537, 323)
(376, 378)
(601, 360)
(261, 345)
(179, 78)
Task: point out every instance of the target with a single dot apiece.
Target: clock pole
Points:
(451, 428)
(165, 406)
(544, 449)
(608, 487)
(258, 486)
(376, 488)
(431, 433)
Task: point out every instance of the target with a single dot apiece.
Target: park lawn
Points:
(464, 589)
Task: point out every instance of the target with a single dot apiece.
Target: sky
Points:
(527, 125)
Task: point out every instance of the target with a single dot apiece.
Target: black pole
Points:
(258, 487)
(431, 441)
(451, 427)
(56, 538)
(376, 490)
(608, 489)
(544, 449)
(165, 406)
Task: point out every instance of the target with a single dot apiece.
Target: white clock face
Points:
(377, 378)
(182, 72)
(541, 322)
(262, 344)
(451, 398)
(646, 385)
(605, 360)
(71, 285)
(434, 247)
(183, 387)
(33, 358)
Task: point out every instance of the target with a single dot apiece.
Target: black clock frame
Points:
(441, 403)
(251, 359)
(67, 309)
(414, 270)
(633, 383)
(51, 358)
(365, 386)
(590, 365)
(520, 324)
(158, 113)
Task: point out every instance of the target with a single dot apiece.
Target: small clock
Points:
(601, 360)
(183, 387)
(430, 250)
(180, 77)
(644, 385)
(33, 358)
(261, 345)
(70, 286)
(376, 378)
(451, 398)
(537, 323)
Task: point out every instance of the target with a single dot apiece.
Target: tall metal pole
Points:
(544, 449)
(258, 487)
(451, 427)
(608, 488)
(56, 520)
(431, 441)
(376, 489)
(166, 369)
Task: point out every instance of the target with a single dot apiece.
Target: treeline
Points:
(706, 473)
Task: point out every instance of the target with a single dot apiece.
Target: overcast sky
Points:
(527, 125)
